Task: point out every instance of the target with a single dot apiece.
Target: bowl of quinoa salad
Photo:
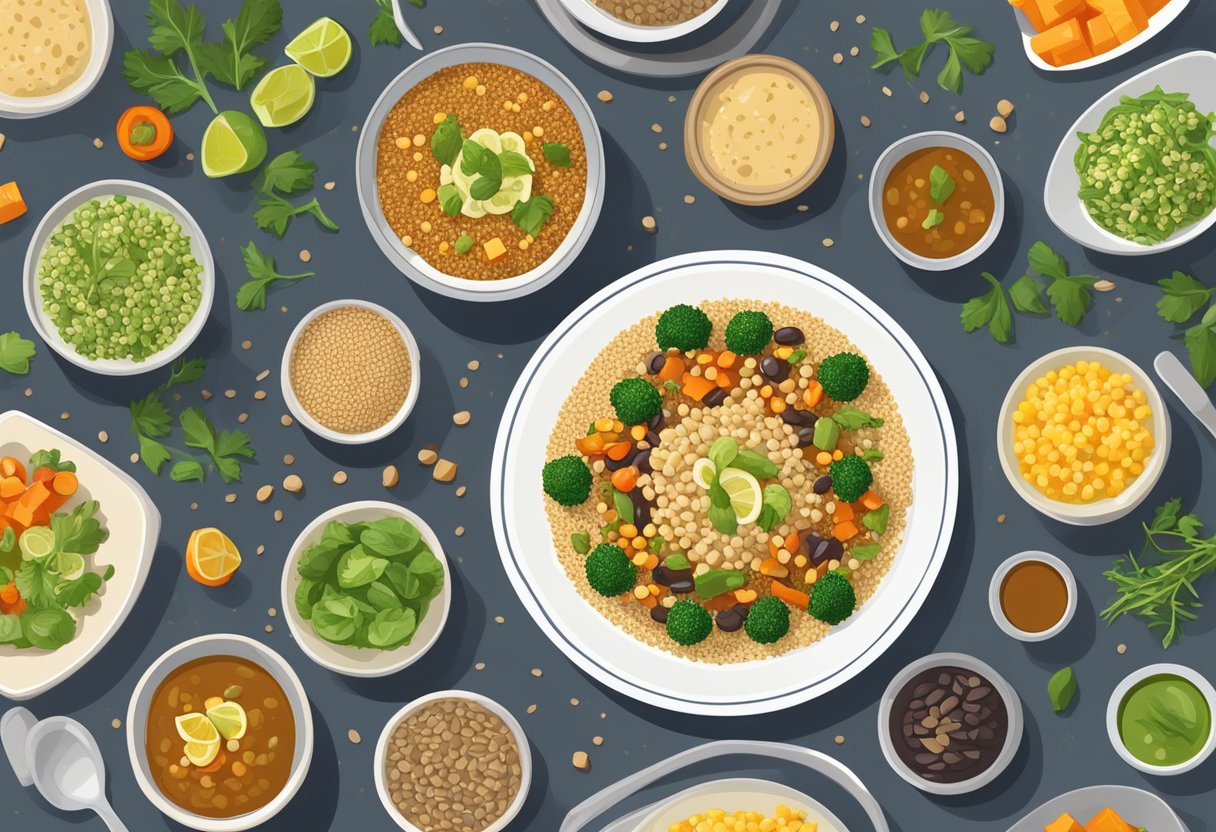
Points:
(129, 300)
(644, 21)
(735, 459)
(480, 172)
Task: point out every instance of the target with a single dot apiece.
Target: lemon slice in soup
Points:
(745, 495)
(201, 736)
(229, 719)
(703, 471)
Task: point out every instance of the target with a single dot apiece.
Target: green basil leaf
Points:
(557, 154)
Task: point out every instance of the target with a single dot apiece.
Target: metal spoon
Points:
(68, 770)
(15, 727)
(404, 28)
(1188, 391)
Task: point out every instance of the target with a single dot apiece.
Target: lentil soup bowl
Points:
(140, 195)
(644, 663)
(595, 15)
(440, 100)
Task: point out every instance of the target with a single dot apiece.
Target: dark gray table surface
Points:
(53, 155)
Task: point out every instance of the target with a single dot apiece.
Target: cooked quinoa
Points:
(408, 176)
(679, 515)
(655, 12)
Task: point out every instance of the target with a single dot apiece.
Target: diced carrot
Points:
(1056, 11)
(590, 445)
(727, 379)
(20, 515)
(649, 602)
(697, 387)
(791, 596)
(9, 593)
(1064, 823)
(745, 596)
(1031, 9)
(1151, 7)
(1108, 820)
(845, 531)
(792, 543)
(673, 368)
(652, 561)
(12, 204)
(1062, 44)
(44, 474)
(617, 450)
(844, 513)
(773, 548)
(727, 359)
(1126, 17)
(11, 488)
(773, 568)
(12, 467)
(814, 394)
(871, 501)
(624, 479)
(214, 765)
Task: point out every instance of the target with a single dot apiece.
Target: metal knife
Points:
(403, 27)
(1179, 379)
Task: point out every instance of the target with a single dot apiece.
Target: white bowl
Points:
(1144, 809)
(1013, 708)
(1156, 25)
(1184, 73)
(101, 25)
(998, 580)
(222, 644)
(920, 141)
(598, 20)
(1135, 678)
(354, 661)
(521, 740)
(136, 192)
(1100, 511)
(133, 523)
(306, 419)
(409, 262)
(740, 794)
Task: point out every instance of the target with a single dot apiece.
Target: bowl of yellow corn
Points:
(1083, 435)
(742, 804)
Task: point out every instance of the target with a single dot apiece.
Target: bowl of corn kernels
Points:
(741, 803)
(1083, 435)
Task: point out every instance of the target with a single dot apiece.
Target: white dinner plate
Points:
(646, 673)
(1192, 73)
(1156, 25)
(1136, 806)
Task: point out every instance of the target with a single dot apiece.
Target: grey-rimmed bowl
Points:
(998, 582)
(412, 264)
(920, 141)
(241, 647)
(59, 213)
(1013, 737)
(1115, 704)
(101, 34)
(598, 20)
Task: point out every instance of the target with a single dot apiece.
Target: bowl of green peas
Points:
(119, 278)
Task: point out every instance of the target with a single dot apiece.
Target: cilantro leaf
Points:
(153, 453)
(384, 29)
(159, 78)
(1200, 343)
(937, 26)
(1181, 297)
(933, 219)
(1027, 296)
(226, 448)
(531, 215)
(197, 429)
(150, 417)
(275, 213)
(78, 591)
(974, 53)
(991, 310)
(184, 371)
(174, 28)
(261, 268)
(1071, 297)
(883, 46)
(15, 353)
(1044, 260)
(232, 62)
(187, 470)
(35, 583)
(79, 531)
(951, 76)
(288, 173)
(941, 184)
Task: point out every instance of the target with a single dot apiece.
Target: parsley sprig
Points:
(1069, 293)
(262, 272)
(991, 310)
(286, 175)
(15, 353)
(937, 26)
(1182, 298)
(383, 30)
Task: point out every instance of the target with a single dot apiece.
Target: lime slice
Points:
(703, 472)
(36, 542)
(233, 143)
(745, 495)
(487, 138)
(514, 189)
(202, 738)
(229, 719)
(71, 565)
(513, 141)
(283, 96)
(324, 48)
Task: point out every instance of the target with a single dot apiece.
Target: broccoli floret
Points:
(688, 622)
(843, 376)
(684, 328)
(832, 598)
(635, 400)
(851, 476)
(767, 621)
(748, 333)
(567, 480)
(609, 570)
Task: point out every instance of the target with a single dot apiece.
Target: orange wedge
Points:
(211, 557)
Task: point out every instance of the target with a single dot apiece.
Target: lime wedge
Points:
(703, 472)
(229, 719)
(745, 495)
(283, 96)
(36, 542)
(71, 565)
(233, 143)
(324, 48)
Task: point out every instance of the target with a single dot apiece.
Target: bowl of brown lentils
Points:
(644, 21)
(469, 744)
(351, 372)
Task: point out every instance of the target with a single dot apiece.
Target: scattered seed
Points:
(498, 619)
(464, 382)
(531, 709)
(537, 672)
(689, 199)
(1004, 107)
(649, 224)
(461, 418)
(656, 128)
(1104, 286)
(134, 458)
(834, 25)
(293, 484)
(597, 740)
(474, 365)
(285, 420)
(439, 30)
(230, 498)
(924, 97)
(839, 739)
(65, 415)
(261, 550)
(29, 391)
(861, 18)
(865, 121)
(802, 209)
(103, 437)
(262, 376)
(229, 394)
(190, 156)
(1121, 649)
(116, 723)
(998, 124)
(428, 456)
(479, 666)
(581, 761)
(272, 612)
(98, 143)
(855, 51)
(265, 493)
(838, 58)
(828, 242)
(329, 186)
(194, 506)
(573, 702)
(288, 459)
(960, 116)
(460, 490)
(444, 471)
(278, 515)
(389, 477)
(339, 477)
(353, 736)
(305, 255)
(887, 91)
(1000, 518)
(604, 96)
(662, 145)
(206, 394)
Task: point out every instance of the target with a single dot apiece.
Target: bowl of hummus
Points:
(52, 53)
(759, 130)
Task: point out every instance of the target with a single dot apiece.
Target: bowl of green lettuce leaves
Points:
(366, 589)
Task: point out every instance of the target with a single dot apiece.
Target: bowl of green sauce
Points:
(1159, 719)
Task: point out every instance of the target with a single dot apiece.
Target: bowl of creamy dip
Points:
(759, 130)
(52, 53)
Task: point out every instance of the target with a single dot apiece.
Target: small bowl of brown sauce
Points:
(937, 200)
(1033, 596)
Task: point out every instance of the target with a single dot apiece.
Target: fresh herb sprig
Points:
(991, 310)
(937, 26)
(1182, 298)
(232, 60)
(384, 31)
(262, 272)
(1158, 586)
(15, 353)
(286, 175)
(1069, 293)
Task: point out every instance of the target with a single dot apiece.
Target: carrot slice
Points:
(697, 387)
(12, 204)
(845, 531)
(12, 467)
(871, 501)
(11, 488)
(791, 596)
(673, 368)
(844, 513)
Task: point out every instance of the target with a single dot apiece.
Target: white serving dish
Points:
(221, 644)
(656, 677)
(998, 580)
(1136, 677)
(1136, 806)
(738, 794)
(1013, 708)
(1156, 25)
(521, 741)
(413, 265)
(1182, 73)
(598, 20)
(1101, 511)
(101, 25)
(305, 418)
(134, 525)
(354, 661)
(136, 192)
(919, 141)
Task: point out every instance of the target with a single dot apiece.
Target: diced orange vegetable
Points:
(697, 387)
(20, 515)
(814, 394)
(494, 250)
(624, 479)
(44, 474)
(673, 368)
(590, 445)
(1108, 820)
(773, 568)
(773, 548)
(727, 379)
(745, 596)
(65, 484)
(617, 450)
(12, 467)
(1151, 7)
(12, 204)
(1102, 37)
(11, 488)
(727, 359)
(1062, 44)
(1031, 9)
(792, 543)
(845, 531)
(1126, 17)
(1064, 823)
(791, 596)
(844, 513)
(871, 501)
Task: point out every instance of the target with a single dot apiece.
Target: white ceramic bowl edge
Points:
(1136, 677)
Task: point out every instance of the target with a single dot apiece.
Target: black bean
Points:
(806, 438)
(641, 508)
(822, 485)
(789, 336)
(642, 462)
(799, 418)
(616, 464)
(774, 369)
(652, 439)
(714, 397)
(659, 613)
(728, 621)
(656, 424)
(655, 362)
(682, 586)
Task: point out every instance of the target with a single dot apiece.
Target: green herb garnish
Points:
(877, 519)
(450, 201)
(937, 26)
(557, 154)
(275, 214)
(851, 418)
(991, 310)
(531, 214)
(232, 61)
(1182, 297)
(941, 184)
(261, 267)
(383, 29)
(1027, 296)
(1061, 688)
(463, 245)
(776, 503)
(447, 140)
(513, 163)
(933, 219)
(1069, 293)
(866, 551)
(15, 353)
(288, 173)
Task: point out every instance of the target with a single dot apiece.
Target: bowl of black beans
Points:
(949, 724)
